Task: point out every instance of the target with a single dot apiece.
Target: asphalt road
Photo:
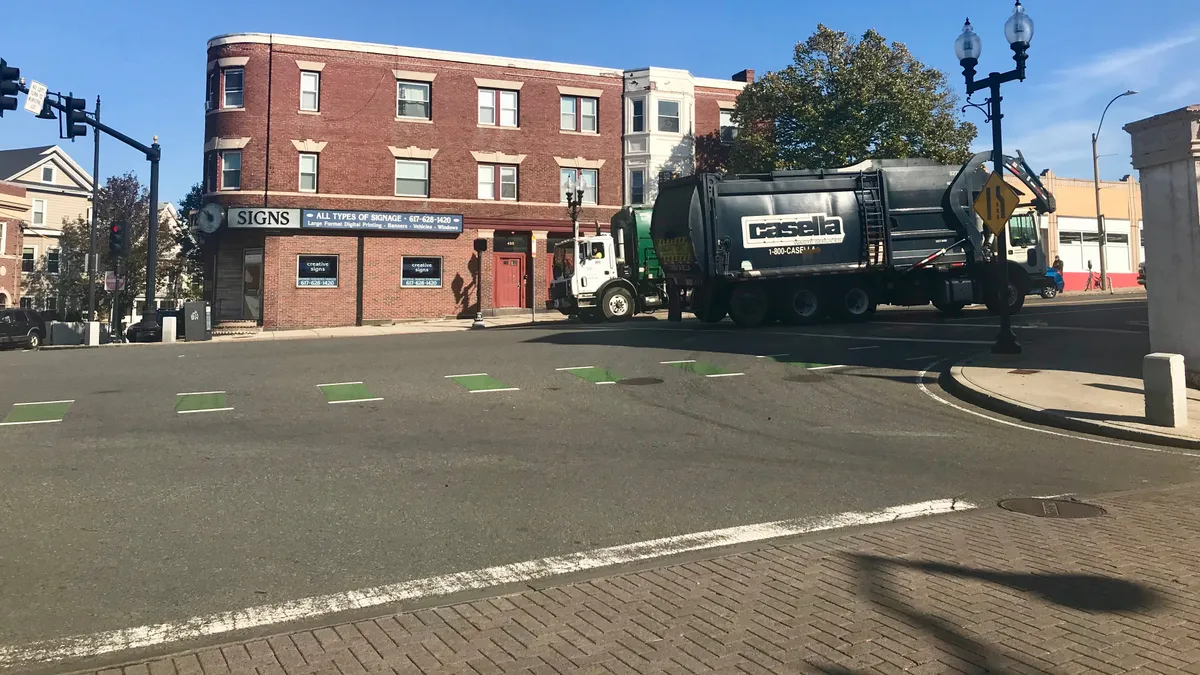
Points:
(127, 513)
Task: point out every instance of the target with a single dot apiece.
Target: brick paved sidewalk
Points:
(984, 591)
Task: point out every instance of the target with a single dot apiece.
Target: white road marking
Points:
(358, 400)
(856, 349)
(15, 424)
(71, 400)
(199, 393)
(465, 375)
(575, 368)
(188, 412)
(140, 637)
(769, 356)
(612, 382)
(1015, 325)
(1067, 494)
(724, 374)
(668, 363)
(922, 358)
(337, 384)
(824, 367)
(921, 383)
(488, 391)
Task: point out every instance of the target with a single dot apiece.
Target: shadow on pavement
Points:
(1083, 592)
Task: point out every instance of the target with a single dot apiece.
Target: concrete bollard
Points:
(1165, 389)
(168, 329)
(91, 333)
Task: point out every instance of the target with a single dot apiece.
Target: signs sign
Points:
(420, 272)
(36, 98)
(317, 271)
(321, 219)
(995, 205)
(240, 218)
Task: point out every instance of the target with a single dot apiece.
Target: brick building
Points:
(14, 206)
(352, 178)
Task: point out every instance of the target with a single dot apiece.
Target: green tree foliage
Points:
(841, 102)
(190, 256)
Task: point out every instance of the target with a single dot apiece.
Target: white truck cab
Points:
(583, 268)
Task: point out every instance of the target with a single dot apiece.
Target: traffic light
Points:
(8, 87)
(118, 240)
(74, 116)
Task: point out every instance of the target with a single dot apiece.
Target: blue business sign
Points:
(320, 219)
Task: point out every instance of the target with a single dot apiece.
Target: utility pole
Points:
(93, 259)
(1104, 283)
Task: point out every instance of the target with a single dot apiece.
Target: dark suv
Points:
(22, 327)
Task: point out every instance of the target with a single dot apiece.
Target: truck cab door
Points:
(597, 264)
(1024, 247)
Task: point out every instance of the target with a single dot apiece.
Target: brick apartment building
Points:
(14, 206)
(353, 177)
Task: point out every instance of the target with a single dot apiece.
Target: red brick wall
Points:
(384, 299)
(10, 260)
(285, 305)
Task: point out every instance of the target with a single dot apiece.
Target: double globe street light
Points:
(1019, 32)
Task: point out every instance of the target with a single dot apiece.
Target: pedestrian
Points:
(1058, 264)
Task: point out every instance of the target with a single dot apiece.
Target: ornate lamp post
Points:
(1104, 284)
(1019, 31)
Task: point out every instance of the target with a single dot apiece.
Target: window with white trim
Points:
(48, 173)
(637, 186)
(498, 107)
(637, 121)
(578, 113)
(584, 179)
(310, 91)
(668, 116)
(231, 170)
(412, 178)
(308, 172)
(53, 258)
(497, 181)
(39, 212)
(233, 87)
(28, 258)
(728, 128)
(412, 100)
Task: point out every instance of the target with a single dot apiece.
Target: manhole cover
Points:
(1023, 371)
(636, 381)
(1051, 508)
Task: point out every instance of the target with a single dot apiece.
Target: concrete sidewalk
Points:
(1080, 385)
(432, 326)
(982, 591)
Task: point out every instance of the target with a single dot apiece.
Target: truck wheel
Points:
(749, 304)
(803, 306)
(617, 304)
(708, 306)
(854, 304)
(1016, 299)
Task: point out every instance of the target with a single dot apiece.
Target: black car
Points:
(22, 327)
(140, 332)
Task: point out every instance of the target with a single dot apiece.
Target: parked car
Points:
(1142, 274)
(22, 327)
(1053, 285)
(153, 333)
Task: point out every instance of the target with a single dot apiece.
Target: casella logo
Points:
(792, 229)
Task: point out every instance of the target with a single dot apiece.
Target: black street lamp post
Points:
(1019, 31)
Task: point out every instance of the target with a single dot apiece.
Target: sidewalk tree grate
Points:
(639, 381)
(43, 412)
(200, 402)
(1052, 508)
(347, 392)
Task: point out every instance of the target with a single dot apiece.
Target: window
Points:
(412, 100)
(47, 174)
(497, 182)
(637, 186)
(26, 303)
(310, 91)
(585, 179)
(638, 123)
(497, 107)
(39, 212)
(1117, 238)
(51, 303)
(668, 116)
(578, 113)
(234, 87)
(308, 172)
(412, 177)
(53, 257)
(1022, 231)
(231, 170)
(1069, 237)
(27, 257)
(728, 128)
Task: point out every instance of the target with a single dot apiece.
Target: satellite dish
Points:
(210, 217)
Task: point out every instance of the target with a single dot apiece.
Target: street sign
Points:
(995, 205)
(110, 281)
(36, 97)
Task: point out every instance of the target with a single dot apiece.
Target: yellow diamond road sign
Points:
(996, 203)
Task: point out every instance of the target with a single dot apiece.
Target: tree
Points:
(191, 252)
(841, 102)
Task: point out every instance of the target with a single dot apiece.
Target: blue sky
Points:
(146, 58)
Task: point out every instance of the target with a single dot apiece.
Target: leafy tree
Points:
(841, 102)
(190, 255)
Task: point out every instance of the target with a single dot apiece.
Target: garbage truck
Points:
(612, 275)
(801, 246)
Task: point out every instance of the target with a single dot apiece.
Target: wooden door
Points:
(508, 290)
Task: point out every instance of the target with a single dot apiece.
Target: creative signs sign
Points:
(420, 272)
(241, 218)
(317, 271)
(322, 219)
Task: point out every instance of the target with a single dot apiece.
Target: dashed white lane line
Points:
(488, 391)
(769, 356)
(575, 368)
(724, 374)
(86, 646)
(669, 363)
(69, 400)
(922, 358)
(856, 349)
(202, 410)
(464, 375)
(921, 376)
(358, 400)
(337, 384)
(198, 393)
(824, 367)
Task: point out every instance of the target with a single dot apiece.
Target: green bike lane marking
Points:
(37, 412)
(480, 383)
(200, 401)
(787, 360)
(700, 368)
(347, 392)
(592, 374)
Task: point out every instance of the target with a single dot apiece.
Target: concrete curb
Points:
(958, 384)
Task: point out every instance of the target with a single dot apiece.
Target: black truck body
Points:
(794, 245)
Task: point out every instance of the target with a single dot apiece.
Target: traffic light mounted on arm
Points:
(74, 116)
(9, 86)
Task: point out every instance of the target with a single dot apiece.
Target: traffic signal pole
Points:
(92, 257)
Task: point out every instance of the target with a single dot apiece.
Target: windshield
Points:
(564, 262)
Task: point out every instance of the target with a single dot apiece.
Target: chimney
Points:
(746, 76)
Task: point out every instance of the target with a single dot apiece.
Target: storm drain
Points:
(639, 381)
(1051, 508)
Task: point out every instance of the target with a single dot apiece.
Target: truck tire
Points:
(709, 306)
(1016, 297)
(802, 306)
(617, 304)
(749, 305)
(854, 303)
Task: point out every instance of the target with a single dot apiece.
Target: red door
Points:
(510, 277)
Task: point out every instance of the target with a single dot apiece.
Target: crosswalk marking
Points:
(480, 383)
(347, 392)
(200, 402)
(701, 368)
(593, 374)
(37, 412)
